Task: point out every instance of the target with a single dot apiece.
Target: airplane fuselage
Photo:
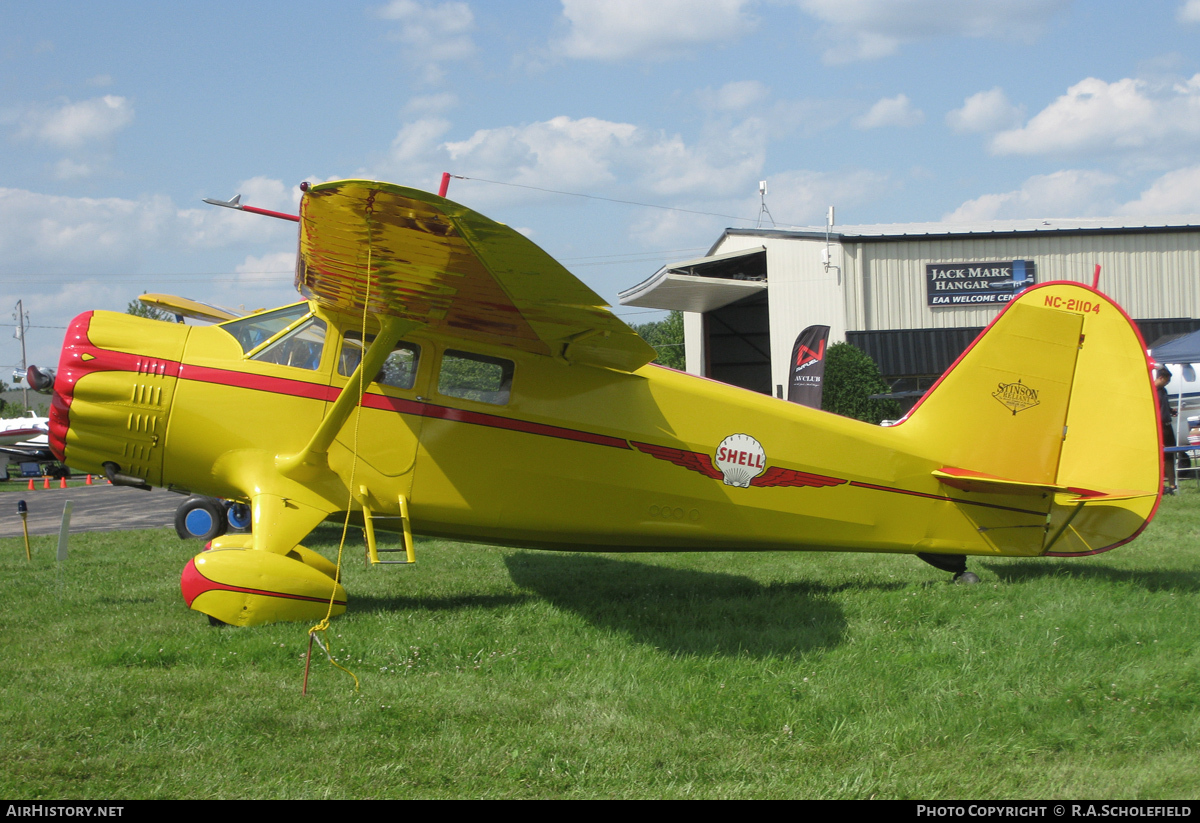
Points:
(573, 456)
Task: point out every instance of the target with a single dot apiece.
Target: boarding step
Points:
(373, 548)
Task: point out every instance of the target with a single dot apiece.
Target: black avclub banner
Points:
(807, 378)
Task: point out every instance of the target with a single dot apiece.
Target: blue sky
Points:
(116, 120)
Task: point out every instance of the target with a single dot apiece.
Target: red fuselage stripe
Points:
(258, 382)
(943, 497)
(316, 391)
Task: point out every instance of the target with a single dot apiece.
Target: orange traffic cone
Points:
(62, 484)
(88, 482)
(31, 484)
(45, 481)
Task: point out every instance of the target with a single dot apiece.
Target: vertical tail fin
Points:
(1055, 399)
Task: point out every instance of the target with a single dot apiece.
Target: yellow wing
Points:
(195, 309)
(453, 270)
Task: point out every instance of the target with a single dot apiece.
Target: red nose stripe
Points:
(64, 382)
(81, 357)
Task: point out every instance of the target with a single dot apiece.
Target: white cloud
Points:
(82, 233)
(1176, 192)
(416, 157)
(1189, 12)
(274, 270)
(895, 111)
(431, 103)
(70, 125)
(110, 249)
(985, 111)
(789, 118)
(416, 140)
(634, 29)
(870, 29)
(100, 80)
(1097, 116)
(795, 198)
(432, 33)
(1068, 193)
(1080, 193)
(42, 232)
(67, 169)
(268, 193)
(801, 197)
(561, 152)
(659, 229)
(734, 96)
(589, 155)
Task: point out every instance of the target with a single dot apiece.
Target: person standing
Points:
(1165, 412)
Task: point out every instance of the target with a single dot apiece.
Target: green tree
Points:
(139, 309)
(851, 377)
(15, 408)
(666, 336)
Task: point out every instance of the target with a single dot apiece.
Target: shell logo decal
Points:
(741, 462)
(741, 459)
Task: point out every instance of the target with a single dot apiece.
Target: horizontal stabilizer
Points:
(1113, 496)
(972, 481)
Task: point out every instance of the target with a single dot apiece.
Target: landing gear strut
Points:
(953, 563)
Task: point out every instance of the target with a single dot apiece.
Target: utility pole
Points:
(21, 317)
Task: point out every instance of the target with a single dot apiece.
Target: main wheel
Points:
(200, 518)
(238, 516)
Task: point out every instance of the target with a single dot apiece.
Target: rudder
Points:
(1053, 398)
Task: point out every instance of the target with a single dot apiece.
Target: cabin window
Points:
(300, 348)
(399, 370)
(475, 377)
(251, 332)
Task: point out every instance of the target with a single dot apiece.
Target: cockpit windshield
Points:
(300, 348)
(251, 332)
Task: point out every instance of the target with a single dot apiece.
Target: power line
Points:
(59, 279)
(634, 254)
(148, 274)
(606, 199)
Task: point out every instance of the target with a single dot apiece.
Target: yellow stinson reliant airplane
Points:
(505, 404)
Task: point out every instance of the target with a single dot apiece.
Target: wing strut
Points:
(307, 463)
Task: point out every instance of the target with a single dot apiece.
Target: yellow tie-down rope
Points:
(324, 624)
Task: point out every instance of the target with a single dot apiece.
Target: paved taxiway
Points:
(97, 509)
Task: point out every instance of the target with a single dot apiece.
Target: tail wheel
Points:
(200, 518)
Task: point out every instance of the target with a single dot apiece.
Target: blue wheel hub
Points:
(198, 522)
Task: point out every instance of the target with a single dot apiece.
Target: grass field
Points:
(498, 673)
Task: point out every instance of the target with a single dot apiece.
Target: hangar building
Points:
(913, 296)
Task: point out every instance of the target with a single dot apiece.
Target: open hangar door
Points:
(729, 292)
(737, 344)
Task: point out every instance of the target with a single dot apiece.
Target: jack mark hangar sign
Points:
(974, 284)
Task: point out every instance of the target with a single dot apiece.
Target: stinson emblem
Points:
(1016, 396)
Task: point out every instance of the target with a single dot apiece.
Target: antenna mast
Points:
(762, 209)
